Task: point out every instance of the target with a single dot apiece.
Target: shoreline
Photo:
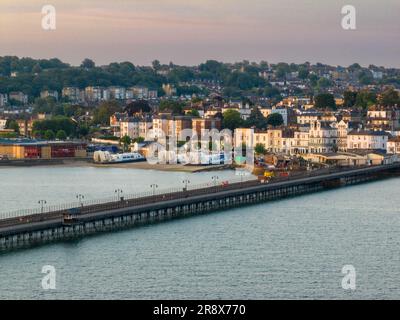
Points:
(87, 162)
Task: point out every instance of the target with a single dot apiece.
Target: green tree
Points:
(103, 113)
(37, 134)
(49, 135)
(259, 149)
(365, 99)
(389, 98)
(61, 135)
(193, 113)
(13, 125)
(172, 106)
(88, 64)
(232, 119)
(126, 142)
(325, 100)
(275, 120)
(138, 140)
(256, 119)
(350, 98)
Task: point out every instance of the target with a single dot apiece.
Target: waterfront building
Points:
(393, 145)
(135, 127)
(323, 137)
(25, 127)
(200, 124)
(167, 125)
(367, 140)
(301, 139)
(383, 118)
(32, 149)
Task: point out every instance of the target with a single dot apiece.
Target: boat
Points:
(105, 157)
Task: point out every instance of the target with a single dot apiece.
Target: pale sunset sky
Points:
(192, 31)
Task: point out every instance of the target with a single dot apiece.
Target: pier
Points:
(35, 228)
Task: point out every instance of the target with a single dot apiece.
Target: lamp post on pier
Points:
(119, 193)
(215, 179)
(42, 203)
(186, 182)
(154, 187)
(80, 197)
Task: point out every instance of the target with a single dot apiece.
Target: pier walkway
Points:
(63, 223)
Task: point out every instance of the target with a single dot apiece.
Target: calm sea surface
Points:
(293, 248)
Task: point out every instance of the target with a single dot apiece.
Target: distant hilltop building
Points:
(47, 93)
(169, 90)
(3, 99)
(73, 94)
(18, 96)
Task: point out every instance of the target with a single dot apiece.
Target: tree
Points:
(83, 131)
(232, 120)
(256, 119)
(350, 98)
(88, 64)
(365, 99)
(13, 125)
(193, 113)
(259, 148)
(138, 140)
(126, 141)
(37, 134)
(173, 106)
(61, 135)
(103, 113)
(389, 98)
(156, 65)
(275, 120)
(49, 135)
(325, 100)
(139, 106)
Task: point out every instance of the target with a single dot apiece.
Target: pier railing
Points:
(153, 196)
(93, 203)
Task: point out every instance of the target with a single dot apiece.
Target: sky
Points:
(189, 32)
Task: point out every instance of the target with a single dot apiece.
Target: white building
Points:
(117, 93)
(367, 139)
(49, 93)
(3, 99)
(135, 127)
(323, 137)
(18, 96)
(74, 94)
(96, 94)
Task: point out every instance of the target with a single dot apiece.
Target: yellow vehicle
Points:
(269, 174)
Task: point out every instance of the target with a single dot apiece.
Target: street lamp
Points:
(215, 179)
(119, 192)
(154, 186)
(80, 197)
(42, 203)
(186, 182)
(241, 173)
